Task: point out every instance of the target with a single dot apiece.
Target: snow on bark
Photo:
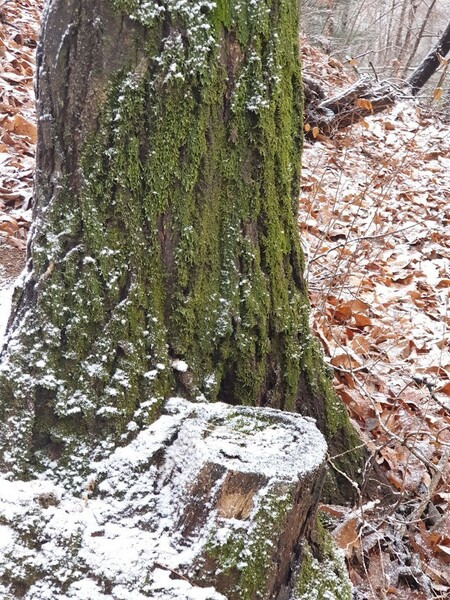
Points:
(164, 228)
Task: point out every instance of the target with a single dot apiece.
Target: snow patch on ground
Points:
(6, 292)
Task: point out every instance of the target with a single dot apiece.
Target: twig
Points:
(374, 71)
(349, 479)
(177, 575)
(393, 435)
(359, 239)
(442, 464)
(430, 387)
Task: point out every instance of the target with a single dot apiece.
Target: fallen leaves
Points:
(18, 40)
(374, 218)
(365, 104)
(21, 127)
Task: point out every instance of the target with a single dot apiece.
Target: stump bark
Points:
(211, 501)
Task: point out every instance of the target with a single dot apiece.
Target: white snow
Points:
(120, 537)
(180, 365)
(6, 293)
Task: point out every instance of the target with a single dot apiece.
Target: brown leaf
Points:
(437, 94)
(396, 481)
(346, 360)
(346, 535)
(333, 510)
(445, 388)
(362, 320)
(364, 104)
(22, 126)
(8, 224)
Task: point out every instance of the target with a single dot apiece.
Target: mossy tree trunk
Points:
(164, 257)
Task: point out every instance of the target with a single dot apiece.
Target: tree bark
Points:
(430, 64)
(401, 25)
(164, 257)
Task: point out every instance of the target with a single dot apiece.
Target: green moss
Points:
(222, 14)
(324, 577)
(182, 242)
(245, 556)
(248, 425)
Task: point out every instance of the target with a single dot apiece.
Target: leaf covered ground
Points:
(374, 219)
(19, 28)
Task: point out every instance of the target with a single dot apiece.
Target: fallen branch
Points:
(363, 98)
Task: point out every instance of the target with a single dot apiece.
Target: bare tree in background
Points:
(391, 35)
(419, 37)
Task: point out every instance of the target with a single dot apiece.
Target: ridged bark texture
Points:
(165, 256)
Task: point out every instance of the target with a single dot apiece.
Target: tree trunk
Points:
(409, 27)
(164, 257)
(430, 64)
(419, 37)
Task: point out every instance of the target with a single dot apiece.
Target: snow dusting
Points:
(122, 538)
(6, 292)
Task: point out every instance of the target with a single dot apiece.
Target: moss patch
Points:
(182, 242)
(326, 577)
(178, 241)
(243, 557)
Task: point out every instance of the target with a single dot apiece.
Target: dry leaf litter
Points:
(374, 221)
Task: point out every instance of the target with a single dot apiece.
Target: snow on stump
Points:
(211, 502)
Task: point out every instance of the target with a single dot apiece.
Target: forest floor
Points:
(19, 30)
(374, 220)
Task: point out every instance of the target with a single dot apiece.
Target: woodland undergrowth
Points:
(374, 216)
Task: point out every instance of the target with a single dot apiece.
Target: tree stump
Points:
(209, 502)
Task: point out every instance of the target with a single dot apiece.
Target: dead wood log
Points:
(312, 89)
(362, 99)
